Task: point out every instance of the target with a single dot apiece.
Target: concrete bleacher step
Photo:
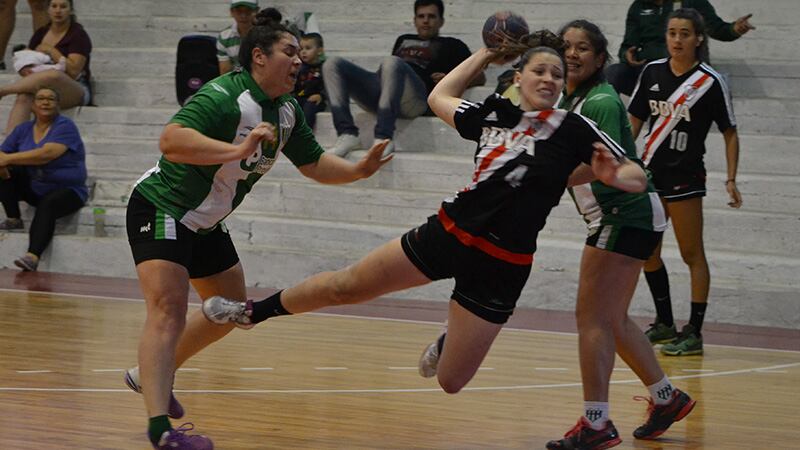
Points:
(291, 228)
(370, 203)
(769, 301)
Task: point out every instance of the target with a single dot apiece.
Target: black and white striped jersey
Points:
(679, 111)
(522, 164)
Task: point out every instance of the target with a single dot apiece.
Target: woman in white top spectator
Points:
(62, 37)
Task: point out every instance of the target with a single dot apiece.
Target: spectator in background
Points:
(62, 37)
(8, 18)
(402, 83)
(644, 37)
(42, 163)
(229, 39)
(309, 88)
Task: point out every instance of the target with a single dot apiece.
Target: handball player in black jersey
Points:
(680, 97)
(485, 235)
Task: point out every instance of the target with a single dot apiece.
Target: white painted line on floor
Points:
(33, 371)
(697, 370)
(485, 368)
(330, 368)
(397, 390)
(401, 368)
(551, 369)
(255, 369)
(771, 371)
(108, 370)
(188, 369)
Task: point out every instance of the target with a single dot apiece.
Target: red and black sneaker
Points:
(583, 437)
(661, 417)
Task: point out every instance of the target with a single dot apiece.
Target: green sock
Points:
(156, 427)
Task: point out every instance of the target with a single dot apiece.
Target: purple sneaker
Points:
(175, 410)
(177, 439)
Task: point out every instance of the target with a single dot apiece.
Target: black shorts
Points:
(675, 185)
(628, 241)
(486, 286)
(153, 234)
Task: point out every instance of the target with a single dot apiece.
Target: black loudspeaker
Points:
(196, 64)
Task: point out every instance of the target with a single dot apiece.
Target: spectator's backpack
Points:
(197, 63)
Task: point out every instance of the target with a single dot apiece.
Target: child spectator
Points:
(309, 88)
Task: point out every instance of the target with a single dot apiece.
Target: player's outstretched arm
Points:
(331, 169)
(622, 174)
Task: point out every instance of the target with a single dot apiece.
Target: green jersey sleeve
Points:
(211, 112)
(608, 112)
(302, 147)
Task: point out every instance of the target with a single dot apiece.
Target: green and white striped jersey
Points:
(228, 43)
(601, 204)
(227, 109)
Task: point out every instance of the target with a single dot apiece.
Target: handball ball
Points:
(503, 25)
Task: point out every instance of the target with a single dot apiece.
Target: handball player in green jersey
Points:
(214, 150)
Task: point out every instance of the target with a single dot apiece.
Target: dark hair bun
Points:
(268, 16)
(545, 38)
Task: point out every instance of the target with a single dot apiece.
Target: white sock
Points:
(661, 392)
(596, 413)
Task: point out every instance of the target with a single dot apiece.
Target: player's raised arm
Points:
(446, 95)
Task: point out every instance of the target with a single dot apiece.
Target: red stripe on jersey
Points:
(482, 244)
(544, 115)
(494, 154)
(680, 101)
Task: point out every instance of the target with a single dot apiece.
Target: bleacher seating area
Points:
(289, 228)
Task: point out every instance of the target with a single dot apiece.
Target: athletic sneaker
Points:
(175, 410)
(220, 310)
(389, 147)
(583, 437)
(27, 262)
(11, 224)
(660, 417)
(429, 360)
(345, 144)
(177, 439)
(689, 342)
(658, 333)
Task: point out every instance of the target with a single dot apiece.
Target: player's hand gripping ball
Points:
(504, 26)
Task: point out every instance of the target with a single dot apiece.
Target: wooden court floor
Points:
(322, 381)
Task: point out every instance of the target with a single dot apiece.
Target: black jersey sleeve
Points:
(496, 111)
(723, 105)
(639, 106)
(586, 133)
(469, 118)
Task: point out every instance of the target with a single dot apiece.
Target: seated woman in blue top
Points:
(42, 162)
